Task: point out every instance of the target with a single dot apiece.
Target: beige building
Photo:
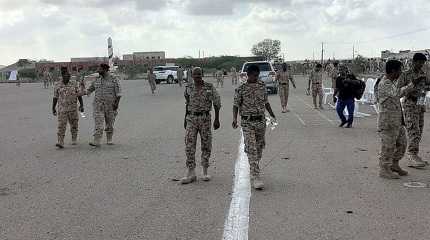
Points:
(89, 59)
(145, 56)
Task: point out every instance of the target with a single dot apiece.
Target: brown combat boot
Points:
(206, 177)
(396, 168)
(74, 139)
(191, 177)
(416, 162)
(109, 138)
(96, 142)
(387, 173)
(60, 143)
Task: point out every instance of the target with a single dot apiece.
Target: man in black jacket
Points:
(344, 96)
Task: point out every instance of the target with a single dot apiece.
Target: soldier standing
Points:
(316, 80)
(284, 77)
(233, 76)
(414, 108)
(106, 102)
(199, 98)
(151, 80)
(390, 121)
(180, 75)
(219, 78)
(250, 101)
(67, 93)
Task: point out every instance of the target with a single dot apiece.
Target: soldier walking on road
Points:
(219, 76)
(250, 101)
(284, 77)
(180, 75)
(316, 81)
(199, 98)
(151, 80)
(390, 121)
(233, 76)
(106, 102)
(46, 78)
(67, 93)
(414, 108)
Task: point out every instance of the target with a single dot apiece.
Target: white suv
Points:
(267, 75)
(167, 74)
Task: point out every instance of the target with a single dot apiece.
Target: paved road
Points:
(314, 173)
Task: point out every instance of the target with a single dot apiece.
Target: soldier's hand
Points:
(234, 124)
(81, 108)
(216, 124)
(54, 112)
(294, 85)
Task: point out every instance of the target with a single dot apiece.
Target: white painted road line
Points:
(300, 119)
(237, 222)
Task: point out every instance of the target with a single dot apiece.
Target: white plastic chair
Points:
(327, 92)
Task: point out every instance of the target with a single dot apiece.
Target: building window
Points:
(159, 57)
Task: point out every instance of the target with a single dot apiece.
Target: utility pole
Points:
(199, 53)
(322, 53)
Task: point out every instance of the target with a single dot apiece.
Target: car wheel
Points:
(169, 79)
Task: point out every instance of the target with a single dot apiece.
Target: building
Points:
(403, 54)
(89, 59)
(138, 56)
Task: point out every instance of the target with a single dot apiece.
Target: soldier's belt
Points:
(204, 113)
(283, 83)
(252, 118)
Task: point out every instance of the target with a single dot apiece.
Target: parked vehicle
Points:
(267, 75)
(167, 74)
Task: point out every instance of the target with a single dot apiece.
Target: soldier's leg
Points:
(340, 107)
(74, 121)
(388, 145)
(251, 148)
(206, 145)
(282, 97)
(190, 150)
(320, 97)
(314, 97)
(109, 122)
(62, 125)
(287, 93)
(399, 152)
(260, 139)
(99, 118)
(412, 121)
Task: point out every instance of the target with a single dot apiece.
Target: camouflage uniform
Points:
(413, 113)
(219, 78)
(152, 83)
(233, 76)
(284, 79)
(46, 79)
(67, 96)
(199, 104)
(390, 122)
(180, 75)
(251, 99)
(106, 91)
(316, 87)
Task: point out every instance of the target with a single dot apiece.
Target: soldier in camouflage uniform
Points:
(233, 76)
(151, 80)
(219, 76)
(250, 101)
(105, 106)
(67, 93)
(284, 78)
(390, 121)
(180, 75)
(413, 111)
(316, 80)
(199, 98)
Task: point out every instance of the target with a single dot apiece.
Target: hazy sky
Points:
(60, 29)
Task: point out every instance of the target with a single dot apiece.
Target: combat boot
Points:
(321, 107)
(74, 139)
(206, 177)
(60, 143)
(191, 177)
(396, 168)
(257, 183)
(109, 138)
(386, 172)
(416, 162)
(96, 142)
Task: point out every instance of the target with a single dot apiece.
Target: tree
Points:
(267, 48)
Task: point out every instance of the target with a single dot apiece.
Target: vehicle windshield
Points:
(165, 68)
(264, 67)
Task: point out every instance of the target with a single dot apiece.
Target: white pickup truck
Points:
(167, 74)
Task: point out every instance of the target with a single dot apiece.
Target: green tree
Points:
(267, 48)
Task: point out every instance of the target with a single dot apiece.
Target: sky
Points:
(60, 29)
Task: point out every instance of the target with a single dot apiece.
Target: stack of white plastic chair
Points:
(327, 92)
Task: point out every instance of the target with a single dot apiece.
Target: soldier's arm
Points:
(309, 82)
(292, 81)
(216, 102)
(54, 101)
(90, 89)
